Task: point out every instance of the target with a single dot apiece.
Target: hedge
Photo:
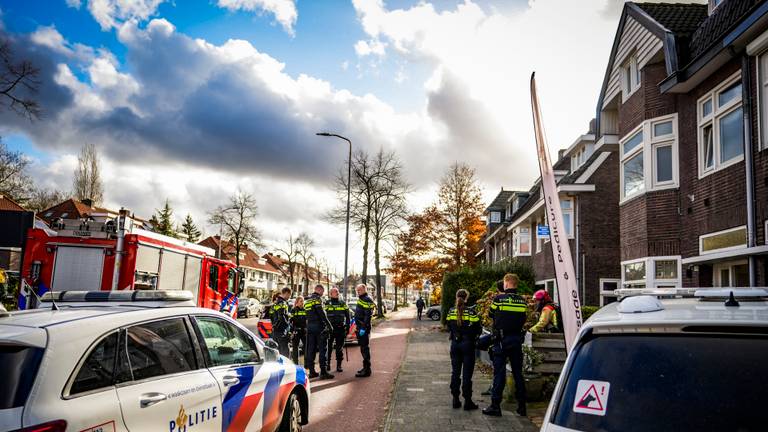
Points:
(478, 280)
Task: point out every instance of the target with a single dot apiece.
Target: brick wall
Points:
(633, 227)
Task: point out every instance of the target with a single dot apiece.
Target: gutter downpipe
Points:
(579, 267)
(749, 163)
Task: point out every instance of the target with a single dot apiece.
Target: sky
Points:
(192, 100)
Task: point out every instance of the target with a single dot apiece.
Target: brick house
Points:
(10, 254)
(685, 99)
(261, 277)
(586, 180)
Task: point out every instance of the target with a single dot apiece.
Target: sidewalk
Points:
(421, 400)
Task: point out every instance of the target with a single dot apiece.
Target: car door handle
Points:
(149, 399)
(230, 380)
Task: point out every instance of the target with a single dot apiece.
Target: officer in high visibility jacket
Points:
(363, 314)
(281, 322)
(338, 314)
(464, 325)
(318, 328)
(508, 312)
(299, 327)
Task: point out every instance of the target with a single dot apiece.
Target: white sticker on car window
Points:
(591, 397)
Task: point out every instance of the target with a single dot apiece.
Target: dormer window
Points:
(495, 217)
(630, 72)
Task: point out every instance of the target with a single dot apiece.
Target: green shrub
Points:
(587, 311)
(480, 280)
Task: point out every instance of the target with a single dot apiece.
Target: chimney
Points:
(560, 154)
(87, 201)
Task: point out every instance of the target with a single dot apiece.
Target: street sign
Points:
(542, 231)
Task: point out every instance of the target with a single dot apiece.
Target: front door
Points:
(162, 385)
(249, 392)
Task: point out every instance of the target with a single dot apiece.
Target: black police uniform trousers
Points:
(317, 340)
(336, 343)
(299, 337)
(365, 349)
(283, 345)
(462, 367)
(418, 313)
(509, 349)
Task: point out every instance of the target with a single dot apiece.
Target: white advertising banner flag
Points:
(568, 293)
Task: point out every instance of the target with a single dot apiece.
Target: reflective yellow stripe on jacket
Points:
(468, 316)
(332, 308)
(509, 304)
(366, 305)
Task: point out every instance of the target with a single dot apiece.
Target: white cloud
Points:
(284, 10)
(372, 47)
(111, 13)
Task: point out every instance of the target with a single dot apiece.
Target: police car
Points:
(142, 361)
(668, 360)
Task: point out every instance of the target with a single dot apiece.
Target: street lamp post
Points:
(349, 193)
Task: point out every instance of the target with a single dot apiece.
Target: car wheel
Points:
(292, 415)
(434, 315)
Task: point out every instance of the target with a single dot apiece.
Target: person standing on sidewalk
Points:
(338, 314)
(508, 312)
(281, 322)
(419, 307)
(363, 315)
(318, 328)
(464, 325)
(299, 326)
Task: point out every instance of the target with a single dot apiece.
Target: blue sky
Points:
(179, 111)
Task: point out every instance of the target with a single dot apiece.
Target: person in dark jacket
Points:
(363, 315)
(318, 329)
(464, 326)
(508, 313)
(338, 314)
(299, 327)
(419, 307)
(281, 322)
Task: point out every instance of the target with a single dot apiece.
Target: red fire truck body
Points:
(86, 255)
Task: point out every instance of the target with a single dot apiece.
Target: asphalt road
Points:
(349, 403)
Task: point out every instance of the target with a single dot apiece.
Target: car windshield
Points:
(18, 368)
(666, 383)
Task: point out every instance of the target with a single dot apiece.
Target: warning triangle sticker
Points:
(591, 400)
(591, 397)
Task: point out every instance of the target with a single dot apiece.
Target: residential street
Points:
(349, 403)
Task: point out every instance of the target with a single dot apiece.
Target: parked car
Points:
(388, 304)
(142, 360)
(433, 312)
(665, 364)
(264, 325)
(248, 307)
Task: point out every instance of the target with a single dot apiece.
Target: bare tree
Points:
(289, 249)
(304, 246)
(44, 198)
(237, 220)
(87, 180)
(388, 207)
(15, 182)
(18, 82)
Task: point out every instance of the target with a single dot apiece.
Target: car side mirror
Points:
(271, 354)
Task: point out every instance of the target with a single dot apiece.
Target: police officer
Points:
(338, 315)
(299, 327)
(465, 327)
(318, 328)
(281, 322)
(363, 315)
(508, 314)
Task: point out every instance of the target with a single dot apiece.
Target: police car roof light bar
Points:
(701, 293)
(117, 296)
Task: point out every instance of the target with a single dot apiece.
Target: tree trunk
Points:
(395, 308)
(380, 314)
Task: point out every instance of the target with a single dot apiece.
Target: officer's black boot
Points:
(366, 372)
(456, 402)
(521, 409)
(469, 405)
(325, 375)
(338, 366)
(493, 410)
(313, 374)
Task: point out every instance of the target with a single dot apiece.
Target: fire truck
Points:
(116, 254)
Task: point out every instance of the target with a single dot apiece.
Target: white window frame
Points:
(517, 235)
(497, 213)
(544, 282)
(607, 293)
(729, 248)
(718, 267)
(765, 231)
(713, 120)
(569, 230)
(762, 98)
(648, 150)
(631, 77)
(650, 272)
